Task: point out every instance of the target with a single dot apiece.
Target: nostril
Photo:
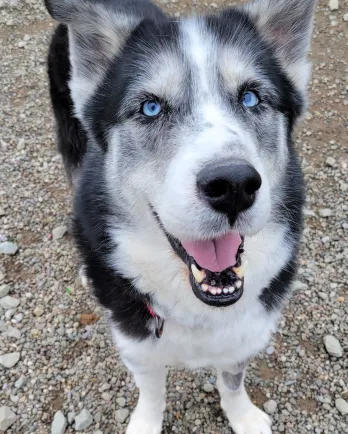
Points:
(217, 189)
(251, 185)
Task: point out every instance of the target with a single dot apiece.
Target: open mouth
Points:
(221, 282)
(216, 268)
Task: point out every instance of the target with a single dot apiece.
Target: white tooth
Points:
(238, 284)
(213, 291)
(231, 289)
(219, 291)
(225, 290)
(205, 288)
(198, 275)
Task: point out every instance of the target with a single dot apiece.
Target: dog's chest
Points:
(228, 342)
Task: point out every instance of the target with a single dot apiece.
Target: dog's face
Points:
(194, 119)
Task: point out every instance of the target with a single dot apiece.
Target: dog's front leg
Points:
(147, 417)
(243, 415)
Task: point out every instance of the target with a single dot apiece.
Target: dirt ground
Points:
(66, 361)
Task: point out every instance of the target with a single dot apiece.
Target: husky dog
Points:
(188, 193)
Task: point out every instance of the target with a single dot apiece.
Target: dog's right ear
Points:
(98, 29)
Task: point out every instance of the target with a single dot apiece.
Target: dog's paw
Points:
(254, 421)
(144, 425)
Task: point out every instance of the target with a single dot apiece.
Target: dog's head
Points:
(193, 118)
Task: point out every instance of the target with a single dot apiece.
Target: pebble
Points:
(342, 406)
(270, 406)
(333, 346)
(325, 212)
(59, 232)
(208, 387)
(323, 295)
(345, 17)
(8, 248)
(121, 401)
(270, 350)
(299, 286)
(331, 162)
(9, 302)
(38, 311)
(59, 423)
(333, 5)
(4, 290)
(7, 418)
(12, 332)
(21, 382)
(83, 420)
(9, 360)
(21, 143)
(121, 415)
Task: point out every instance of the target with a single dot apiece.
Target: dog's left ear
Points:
(287, 26)
(98, 30)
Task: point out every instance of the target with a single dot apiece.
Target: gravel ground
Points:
(57, 360)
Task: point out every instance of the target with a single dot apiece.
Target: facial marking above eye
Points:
(151, 108)
(250, 99)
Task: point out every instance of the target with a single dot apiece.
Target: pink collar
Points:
(159, 322)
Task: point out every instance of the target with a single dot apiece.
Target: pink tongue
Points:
(215, 255)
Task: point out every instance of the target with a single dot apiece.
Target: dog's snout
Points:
(229, 187)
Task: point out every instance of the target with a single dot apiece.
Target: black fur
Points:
(72, 139)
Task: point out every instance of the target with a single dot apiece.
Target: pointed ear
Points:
(97, 32)
(287, 26)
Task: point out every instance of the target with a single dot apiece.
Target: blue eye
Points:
(250, 99)
(151, 108)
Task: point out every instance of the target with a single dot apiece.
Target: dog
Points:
(177, 138)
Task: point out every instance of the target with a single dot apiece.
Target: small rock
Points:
(9, 313)
(208, 388)
(21, 144)
(333, 347)
(4, 290)
(345, 17)
(2, 211)
(9, 360)
(299, 286)
(270, 406)
(18, 318)
(59, 423)
(308, 213)
(106, 396)
(333, 5)
(12, 332)
(121, 415)
(8, 248)
(121, 401)
(325, 212)
(59, 232)
(342, 406)
(9, 302)
(270, 350)
(7, 418)
(323, 296)
(21, 382)
(39, 310)
(83, 420)
(98, 432)
(331, 162)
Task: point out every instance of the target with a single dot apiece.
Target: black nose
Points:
(229, 187)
